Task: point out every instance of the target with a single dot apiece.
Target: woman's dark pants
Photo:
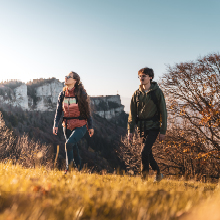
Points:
(71, 148)
(146, 154)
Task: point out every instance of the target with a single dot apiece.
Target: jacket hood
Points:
(153, 86)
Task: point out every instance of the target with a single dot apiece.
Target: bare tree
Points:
(130, 153)
(192, 90)
(193, 139)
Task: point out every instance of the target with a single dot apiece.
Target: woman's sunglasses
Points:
(69, 77)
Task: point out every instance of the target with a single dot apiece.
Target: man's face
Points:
(144, 79)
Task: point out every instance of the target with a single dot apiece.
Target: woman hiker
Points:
(73, 101)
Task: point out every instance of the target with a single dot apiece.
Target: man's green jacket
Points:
(143, 107)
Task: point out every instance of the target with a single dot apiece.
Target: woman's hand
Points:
(55, 130)
(91, 132)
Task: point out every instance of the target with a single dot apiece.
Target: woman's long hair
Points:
(83, 99)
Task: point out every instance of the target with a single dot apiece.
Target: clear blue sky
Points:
(105, 41)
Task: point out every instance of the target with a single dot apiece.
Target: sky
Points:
(105, 41)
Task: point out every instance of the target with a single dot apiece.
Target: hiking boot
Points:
(144, 175)
(158, 178)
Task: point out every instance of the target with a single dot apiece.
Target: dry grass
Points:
(49, 194)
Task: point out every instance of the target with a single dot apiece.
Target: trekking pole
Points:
(58, 147)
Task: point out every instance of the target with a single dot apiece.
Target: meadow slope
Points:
(49, 194)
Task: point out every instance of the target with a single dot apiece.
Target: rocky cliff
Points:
(37, 95)
(108, 106)
(42, 94)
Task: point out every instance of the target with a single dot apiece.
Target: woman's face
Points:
(69, 81)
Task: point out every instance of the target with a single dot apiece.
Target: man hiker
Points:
(147, 109)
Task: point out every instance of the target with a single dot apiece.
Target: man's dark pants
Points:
(146, 154)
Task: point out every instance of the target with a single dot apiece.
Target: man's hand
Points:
(130, 136)
(161, 137)
(55, 130)
(91, 132)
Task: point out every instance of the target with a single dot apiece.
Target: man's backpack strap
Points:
(156, 102)
(137, 101)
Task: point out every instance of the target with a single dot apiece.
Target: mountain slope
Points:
(97, 152)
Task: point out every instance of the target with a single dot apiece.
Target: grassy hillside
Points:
(49, 194)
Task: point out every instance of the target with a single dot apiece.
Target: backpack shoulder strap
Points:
(137, 99)
(155, 100)
(137, 93)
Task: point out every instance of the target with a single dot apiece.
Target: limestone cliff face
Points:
(108, 106)
(42, 95)
(37, 96)
(111, 113)
(47, 95)
(21, 97)
(15, 96)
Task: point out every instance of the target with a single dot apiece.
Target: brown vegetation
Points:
(22, 150)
